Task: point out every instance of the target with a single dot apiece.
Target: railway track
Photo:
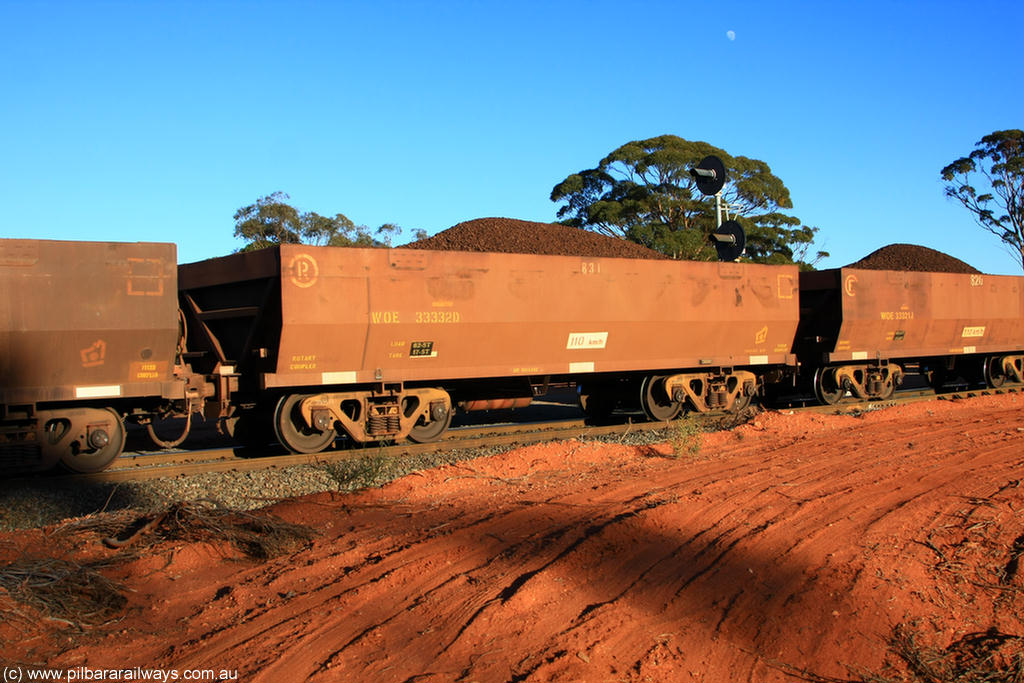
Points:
(141, 467)
(147, 466)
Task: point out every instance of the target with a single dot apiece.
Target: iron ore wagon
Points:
(88, 335)
(312, 342)
(858, 326)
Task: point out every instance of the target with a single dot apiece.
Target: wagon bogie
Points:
(864, 381)
(728, 390)
(309, 423)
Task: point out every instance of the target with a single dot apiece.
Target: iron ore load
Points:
(305, 345)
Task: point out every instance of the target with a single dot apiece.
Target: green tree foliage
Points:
(989, 182)
(271, 220)
(643, 191)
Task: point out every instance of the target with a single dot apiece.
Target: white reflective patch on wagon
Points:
(107, 391)
(338, 377)
(581, 367)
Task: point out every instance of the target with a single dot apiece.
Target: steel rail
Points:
(143, 467)
(220, 461)
(454, 438)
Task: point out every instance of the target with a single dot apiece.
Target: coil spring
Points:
(378, 424)
(716, 398)
(385, 424)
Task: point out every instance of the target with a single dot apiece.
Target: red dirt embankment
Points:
(796, 542)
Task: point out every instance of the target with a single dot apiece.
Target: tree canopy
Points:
(989, 182)
(643, 191)
(271, 220)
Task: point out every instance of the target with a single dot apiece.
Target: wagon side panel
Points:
(86, 320)
(896, 314)
(355, 315)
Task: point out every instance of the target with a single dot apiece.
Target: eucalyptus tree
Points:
(643, 191)
(271, 220)
(989, 182)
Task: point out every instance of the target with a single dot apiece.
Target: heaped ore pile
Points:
(912, 257)
(511, 236)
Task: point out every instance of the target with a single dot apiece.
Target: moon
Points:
(730, 34)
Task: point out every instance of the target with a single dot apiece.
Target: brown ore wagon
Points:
(857, 326)
(383, 344)
(86, 330)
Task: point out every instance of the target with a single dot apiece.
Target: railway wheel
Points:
(292, 431)
(89, 441)
(426, 432)
(825, 388)
(656, 402)
(995, 377)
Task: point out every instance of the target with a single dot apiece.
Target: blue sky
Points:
(157, 120)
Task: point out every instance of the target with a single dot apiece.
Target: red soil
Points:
(795, 541)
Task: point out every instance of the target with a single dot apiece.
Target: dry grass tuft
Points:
(102, 523)
(257, 535)
(62, 590)
(77, 594)
(988, 657)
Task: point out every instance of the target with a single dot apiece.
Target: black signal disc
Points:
(730, 249)
(710, 184)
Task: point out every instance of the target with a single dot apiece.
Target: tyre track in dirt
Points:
(792, 540)
(330, 593)
(377, 571)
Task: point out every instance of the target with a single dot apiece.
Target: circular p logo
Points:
(304, 270)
